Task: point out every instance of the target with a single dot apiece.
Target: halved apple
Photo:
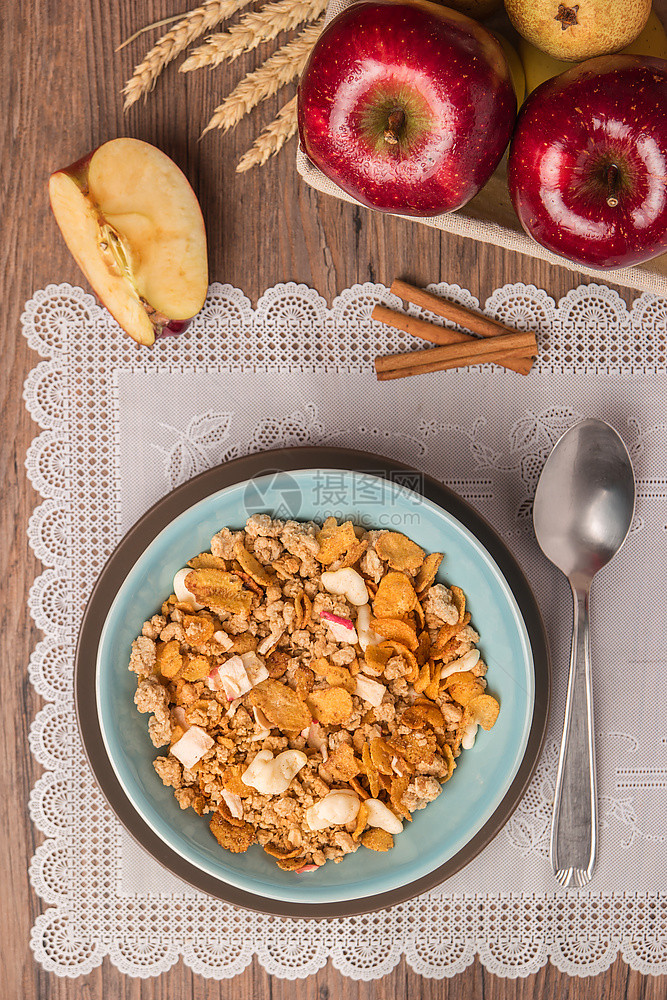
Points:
(135, 228)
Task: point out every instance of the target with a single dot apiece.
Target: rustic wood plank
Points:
(60, 84)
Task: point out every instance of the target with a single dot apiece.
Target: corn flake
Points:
(424, 678)
(380, 756)
(428, 572)
(463, 686)
(359, 789)
(445, 643)
(448, 757)
(168, 658)
(399, 551)
(248, 580)
(251, 565)
(423, 650)
(196, 668)
(330, 706)
(395, 596)
(362, 820)
(377, 839)
(371, 771)
(336, 676)
(206, 560)
(234, 838)
(423, 713)
(354, 554)
(459, 601)
(335, 539)
(303, 607)
(219, 590)
(197, 629)
(290, 864)
(281, 705)
(396, 628)
(398, 649)
(377, 657)
(278, 852)
(342, 763)
(484, 710)
(399, 787)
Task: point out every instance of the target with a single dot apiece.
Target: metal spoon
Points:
(584, 506)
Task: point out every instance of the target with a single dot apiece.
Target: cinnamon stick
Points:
(421, 328)
(470, 352)
(482, 325)
(515, 359)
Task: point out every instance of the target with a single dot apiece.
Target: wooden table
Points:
(60, 85)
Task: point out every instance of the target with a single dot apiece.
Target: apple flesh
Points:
(134, 226)
(587, 168)
(407, 106)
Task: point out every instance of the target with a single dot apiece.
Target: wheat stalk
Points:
(274, 73)
(167, 48)
(253, 29)
(272, 139)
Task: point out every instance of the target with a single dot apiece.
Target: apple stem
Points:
(395, 123)
(612, 181)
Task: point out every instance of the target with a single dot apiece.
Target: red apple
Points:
(134, 226)
(587, 168)
(407, 106)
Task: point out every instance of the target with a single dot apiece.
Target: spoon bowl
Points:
(585, 499)
(584, 505)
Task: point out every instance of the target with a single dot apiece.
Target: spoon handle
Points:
(574, 826)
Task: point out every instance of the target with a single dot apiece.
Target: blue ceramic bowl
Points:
(483, 775)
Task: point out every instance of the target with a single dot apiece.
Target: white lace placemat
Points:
(121, 426)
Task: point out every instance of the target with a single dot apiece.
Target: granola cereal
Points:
(314, 686)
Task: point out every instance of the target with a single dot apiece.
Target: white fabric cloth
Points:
(650, 277)
(121, 426)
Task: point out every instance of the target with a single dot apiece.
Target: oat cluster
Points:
(314, 686)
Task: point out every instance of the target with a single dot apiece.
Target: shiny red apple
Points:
(587, 168)
(407, 106)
